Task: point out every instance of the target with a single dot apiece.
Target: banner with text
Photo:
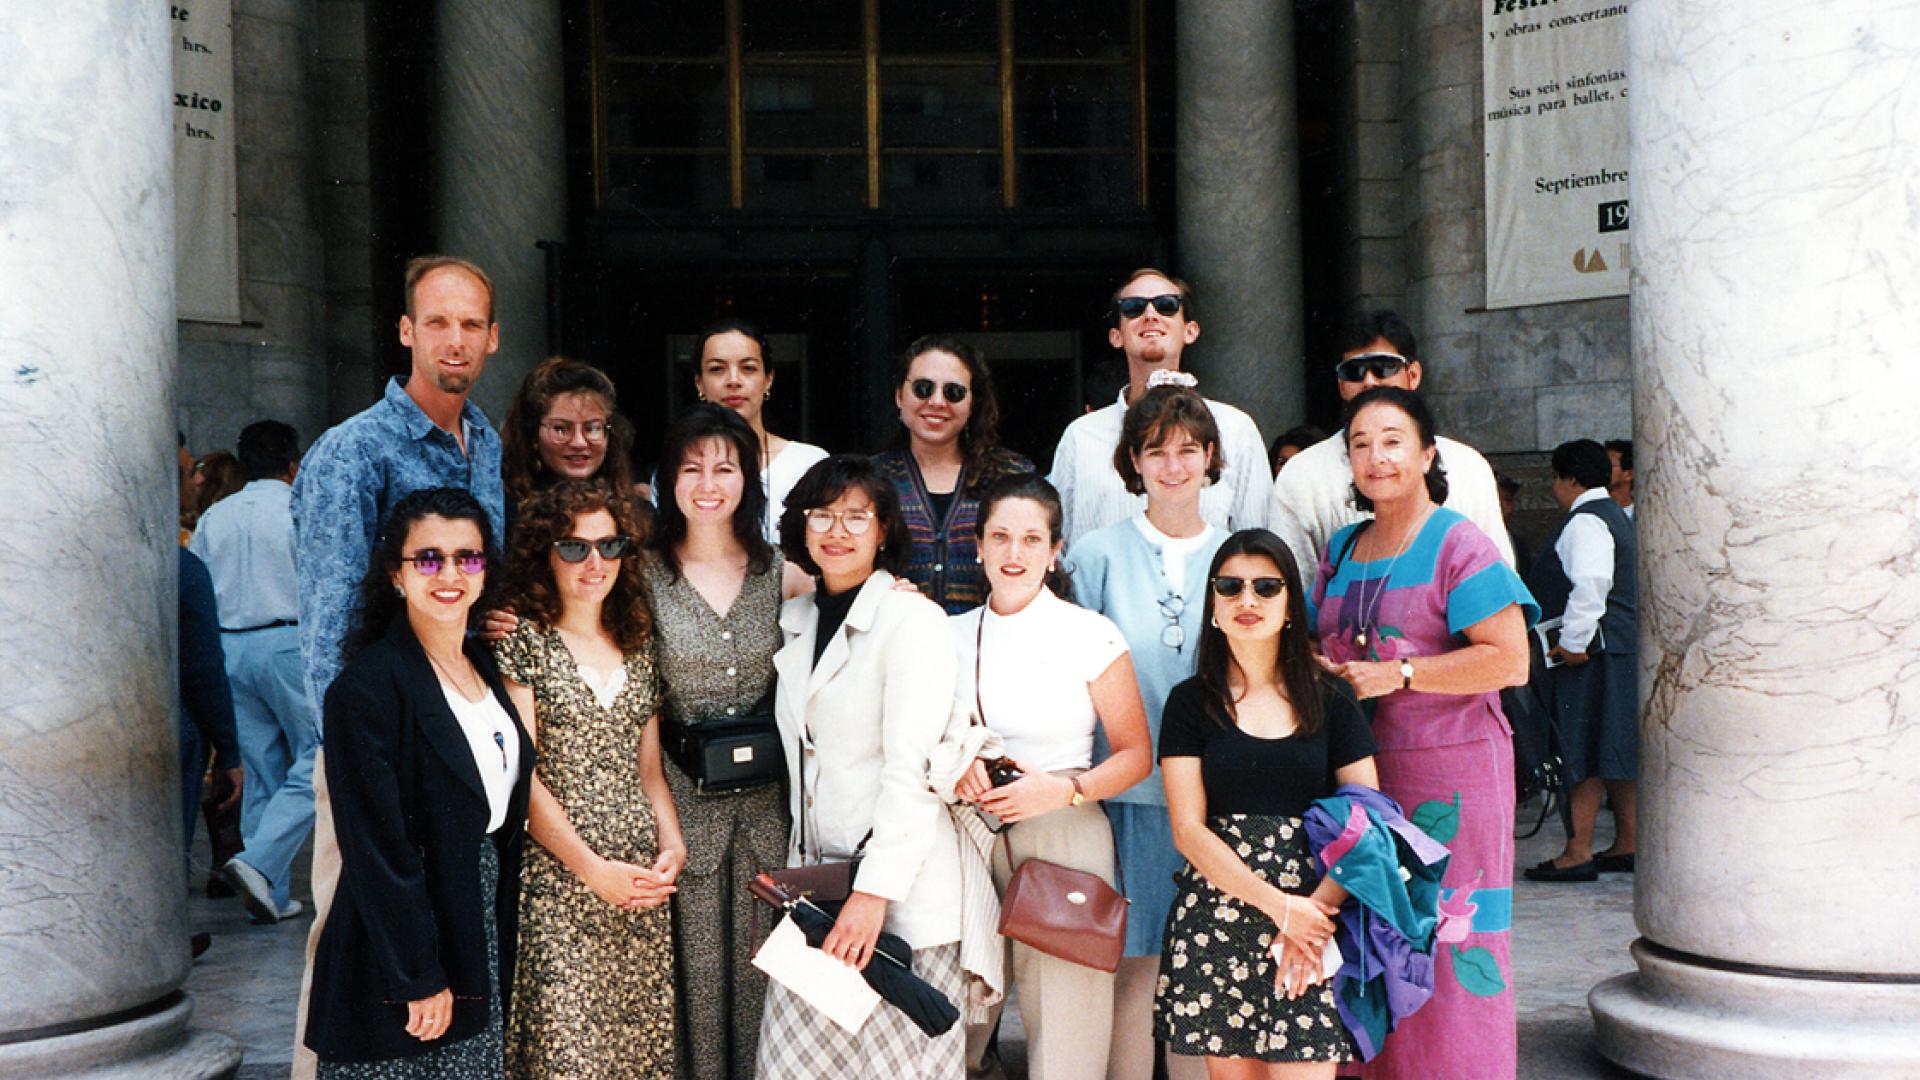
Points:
(1556, 110)
(205, 204)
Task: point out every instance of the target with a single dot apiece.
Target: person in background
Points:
(734, 369)
(217, 475)
(865, 696)
(1620, 480)
(205, 703)
(1045, 675)
(1151, 320)
(1418, 611)
(1312, 495)
(595, 987)
(948, 453)
(1291, 442)
(422, 433)
(1586, 577)
(1509, 506)
(1246, 746)
(1149, 575)
(429, 767)
(247, 542)
(187, 489)
(564, 424)
(717, 586)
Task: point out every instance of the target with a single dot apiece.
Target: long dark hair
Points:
(1299, 675)
(984, 461)
(379, 604)
(1035, 487)
(1416, 409)
(702, 422)
(549, 516)
(522, 472)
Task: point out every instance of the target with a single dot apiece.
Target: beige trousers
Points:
(1067, 1008)
(326, 878)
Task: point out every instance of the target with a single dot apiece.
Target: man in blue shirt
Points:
(423, 433)
(246, 541)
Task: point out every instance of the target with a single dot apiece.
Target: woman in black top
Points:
(428, 765)
(1245, 747)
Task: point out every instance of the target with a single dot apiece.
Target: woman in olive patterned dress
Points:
(717, 587)
(594, 991)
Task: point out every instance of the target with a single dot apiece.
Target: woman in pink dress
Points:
(1417, 611)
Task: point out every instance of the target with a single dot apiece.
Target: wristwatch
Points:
(1079, 795)
(1406, 673)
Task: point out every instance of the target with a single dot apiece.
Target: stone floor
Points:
(1566, 939)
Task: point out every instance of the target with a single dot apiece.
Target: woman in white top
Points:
(1044, 674)
(864, 697)
(733, 370)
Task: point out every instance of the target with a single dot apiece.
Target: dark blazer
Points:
(410, 815)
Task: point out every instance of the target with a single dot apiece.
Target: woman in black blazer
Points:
(428, 766)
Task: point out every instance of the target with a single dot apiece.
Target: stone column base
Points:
(155, 1045)
(1680, 1018)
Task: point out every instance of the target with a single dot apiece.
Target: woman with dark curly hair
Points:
(948, 454)
(424, 761)
(564, 424)
(596, 990)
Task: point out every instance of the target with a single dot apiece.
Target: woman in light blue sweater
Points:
(1149, 575)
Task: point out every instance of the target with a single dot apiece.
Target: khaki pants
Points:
(326, 878)
(1067, 1008)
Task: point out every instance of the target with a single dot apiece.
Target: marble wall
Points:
(1238, 178)
(93, 943)
(1776, 171)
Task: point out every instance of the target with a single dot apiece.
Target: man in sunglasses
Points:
(1151, 321)
(422, 433)
(1312, 495)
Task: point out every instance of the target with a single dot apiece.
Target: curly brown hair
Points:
(549, 515)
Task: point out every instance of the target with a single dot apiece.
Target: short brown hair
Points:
(829, 479)
(420, 266)
(1153, 419)
(1179, 286)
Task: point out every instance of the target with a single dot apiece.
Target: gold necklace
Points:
(435, 661)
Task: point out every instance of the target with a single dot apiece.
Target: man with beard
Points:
(422, 433)
(1151, 321)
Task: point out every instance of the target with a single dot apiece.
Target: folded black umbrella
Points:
(890, 972)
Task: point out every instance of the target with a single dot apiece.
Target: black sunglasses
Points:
(1132, 307)
(573, 549)
(953, 391)
(1266, 588)
(429, 561)
(1380, 365)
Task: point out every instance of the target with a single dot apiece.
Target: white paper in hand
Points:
(821, 981)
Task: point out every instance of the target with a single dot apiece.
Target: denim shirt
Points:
(348, 482)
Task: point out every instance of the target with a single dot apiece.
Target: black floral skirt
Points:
(1216, 995)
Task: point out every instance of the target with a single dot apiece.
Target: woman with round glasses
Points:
(864, 697)
(564, 424)
(947, 454)
(716, 586)
(1046, 675)
(734, 370)
(595, 992)
(1416, 609)
(426, 764)
(1149, 574)
(1246, 746)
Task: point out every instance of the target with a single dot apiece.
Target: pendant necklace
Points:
(1368, 613)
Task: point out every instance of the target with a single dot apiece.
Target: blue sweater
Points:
(1118, 573)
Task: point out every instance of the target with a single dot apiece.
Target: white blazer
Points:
(865, 721)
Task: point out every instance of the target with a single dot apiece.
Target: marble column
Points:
(93, 938)
(1239, 204)
(1775, 174)
(500, 181)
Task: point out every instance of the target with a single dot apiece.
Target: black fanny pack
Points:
(731, 753)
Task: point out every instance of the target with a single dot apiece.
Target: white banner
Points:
(206, 206)
(1555, 85)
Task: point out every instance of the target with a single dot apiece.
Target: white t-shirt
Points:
(1035, 668)
(1175, 549)
(778, 478)
(496, 748)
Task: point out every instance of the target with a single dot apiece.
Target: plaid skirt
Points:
(798, 1041)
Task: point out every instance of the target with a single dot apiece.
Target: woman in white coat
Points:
(865, 694)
